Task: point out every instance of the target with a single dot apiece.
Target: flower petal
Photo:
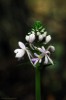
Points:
(21, 45)
(36, 54)
(47, 52)
(50, 60)
(46, 60)
(40, 60)
(41, 50)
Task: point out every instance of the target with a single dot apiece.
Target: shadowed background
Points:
(17, 78)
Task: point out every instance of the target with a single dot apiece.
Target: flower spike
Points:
(35, 50)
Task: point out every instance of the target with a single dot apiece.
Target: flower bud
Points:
(48, 38)
(38, 33)
(40, 37)
(51, 48)
(31, 38)
(33, 32)
(44, 34)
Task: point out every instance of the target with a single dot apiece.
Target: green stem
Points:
(38, 88)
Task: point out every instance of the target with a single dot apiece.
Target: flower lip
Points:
(36, 59)
(19, 53)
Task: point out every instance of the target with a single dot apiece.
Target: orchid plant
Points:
(37, 40)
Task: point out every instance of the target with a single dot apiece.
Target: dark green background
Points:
(17, 80)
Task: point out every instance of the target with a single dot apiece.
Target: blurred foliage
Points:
(16, 20)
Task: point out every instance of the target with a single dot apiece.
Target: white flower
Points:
(36, 59)
(45, 54)
(20, 52)
(48, 38)
(30, 38)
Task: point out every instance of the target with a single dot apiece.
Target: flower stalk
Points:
(37, 83)
(36, 50)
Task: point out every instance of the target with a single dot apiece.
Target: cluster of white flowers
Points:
(37, 40)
